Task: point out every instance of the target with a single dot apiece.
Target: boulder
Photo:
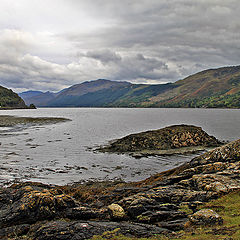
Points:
(116, 211)
(206, 217)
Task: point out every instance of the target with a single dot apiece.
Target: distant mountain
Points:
(37, 98)
(10, 99)
(99, 93)
(210, 88)
(29, 94)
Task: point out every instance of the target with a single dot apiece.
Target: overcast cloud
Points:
(50, 45)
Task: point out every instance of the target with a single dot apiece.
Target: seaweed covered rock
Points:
(164, 140)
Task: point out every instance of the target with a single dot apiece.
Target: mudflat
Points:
(10, 121)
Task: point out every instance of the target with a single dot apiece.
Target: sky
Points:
(50, 45)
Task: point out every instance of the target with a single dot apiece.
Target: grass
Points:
(227, 206)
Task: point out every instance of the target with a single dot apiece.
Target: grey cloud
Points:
(105, 56)
(137, 40)
(131, 66)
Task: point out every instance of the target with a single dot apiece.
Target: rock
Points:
(174, 225)
(227, 154)
(206, 217)
(167, 140)
(28, 204)
(60, 230)
(116, 212)
(160, 216)
(32, 106)
(86, 213)
(17, 230)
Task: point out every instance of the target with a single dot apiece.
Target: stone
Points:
(206, 217)
(116, 211)
(63, 230)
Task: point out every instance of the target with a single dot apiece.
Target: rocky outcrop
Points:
(160, 204)
(24, 203)
(169, 140)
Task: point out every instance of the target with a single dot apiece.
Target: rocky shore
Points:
(170, 140)
(162, 204)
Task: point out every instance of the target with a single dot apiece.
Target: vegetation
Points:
(9, 99)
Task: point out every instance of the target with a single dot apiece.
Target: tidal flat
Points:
(11, 121)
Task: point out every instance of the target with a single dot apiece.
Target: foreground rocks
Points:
(160, 204)
(166, 141)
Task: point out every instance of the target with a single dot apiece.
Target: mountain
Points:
(10, 99)
(105, 93)
(29, 94)
(210, 88)
(37, 98)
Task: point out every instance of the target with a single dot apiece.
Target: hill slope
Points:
(9, 99)
(210, 88)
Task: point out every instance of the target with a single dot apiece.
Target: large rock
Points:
(163, 141)
(116, 212)
(206, 217)
(29, 204)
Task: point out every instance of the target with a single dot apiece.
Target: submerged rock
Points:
(170, 140)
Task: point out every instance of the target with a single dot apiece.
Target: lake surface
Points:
(59, 154)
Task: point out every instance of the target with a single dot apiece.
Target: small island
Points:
(176, 139)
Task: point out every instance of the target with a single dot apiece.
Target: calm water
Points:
(59, 153)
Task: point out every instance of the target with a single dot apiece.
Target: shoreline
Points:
(161, 204)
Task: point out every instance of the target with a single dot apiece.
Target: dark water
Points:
(59, 153)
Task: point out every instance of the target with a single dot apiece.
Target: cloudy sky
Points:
(50, 45)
